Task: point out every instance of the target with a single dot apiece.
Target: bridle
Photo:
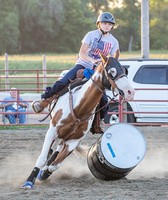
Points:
(111, 80)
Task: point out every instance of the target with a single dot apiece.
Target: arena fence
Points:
(31, 83)
(30, 95)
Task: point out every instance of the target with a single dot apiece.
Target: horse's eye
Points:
(112, 72)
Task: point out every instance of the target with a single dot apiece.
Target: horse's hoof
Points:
(28, 185)
(43, 175)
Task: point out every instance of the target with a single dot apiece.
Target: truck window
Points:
(152, 74)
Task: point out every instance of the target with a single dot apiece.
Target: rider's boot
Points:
(47, 98)
(38, 106)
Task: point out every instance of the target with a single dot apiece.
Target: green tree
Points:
(159, 24)
(98, 5)
(78, 20)
(53, 25)
(40, 22)
(9, 27)
(59, 25)
(128, 21)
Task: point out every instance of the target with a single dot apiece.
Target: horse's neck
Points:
(97, 78)
(93, 90)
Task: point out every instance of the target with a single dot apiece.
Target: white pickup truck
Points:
(151, 76)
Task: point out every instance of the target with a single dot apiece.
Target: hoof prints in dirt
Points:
(19, 150)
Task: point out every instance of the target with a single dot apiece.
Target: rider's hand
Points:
(97, 62)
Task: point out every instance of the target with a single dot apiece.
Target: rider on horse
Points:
(95, 42)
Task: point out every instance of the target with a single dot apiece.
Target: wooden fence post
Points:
(44, 72)
(6, 72)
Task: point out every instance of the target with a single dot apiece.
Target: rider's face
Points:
(106, 26)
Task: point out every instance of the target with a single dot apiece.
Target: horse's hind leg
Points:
(44, 173)
(63, 150)
(67, 149)
(49, 138)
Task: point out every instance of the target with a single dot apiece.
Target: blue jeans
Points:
(71, 75)
(20, 116)
(60, 84)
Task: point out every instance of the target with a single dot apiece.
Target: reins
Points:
(97, 85)
(112, 81)
(50, 110)
(76, 120)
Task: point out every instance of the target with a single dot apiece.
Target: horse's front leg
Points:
(49, 138)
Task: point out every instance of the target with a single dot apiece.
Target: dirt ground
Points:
(20, 149)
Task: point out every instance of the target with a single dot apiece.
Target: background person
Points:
(14, 104)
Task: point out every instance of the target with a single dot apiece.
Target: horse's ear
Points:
(103, 58)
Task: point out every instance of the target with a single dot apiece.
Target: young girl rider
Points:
(93, 43)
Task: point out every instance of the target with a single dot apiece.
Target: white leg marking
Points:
(53, 168)
(72, 144)
(59, 147)
(50, 136)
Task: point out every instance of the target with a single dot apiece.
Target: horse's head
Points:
(115, 78)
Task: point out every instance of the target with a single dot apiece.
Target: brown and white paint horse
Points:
(72, 126)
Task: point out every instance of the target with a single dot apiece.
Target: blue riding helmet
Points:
(106, 17)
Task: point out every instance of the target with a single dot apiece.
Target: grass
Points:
(36, 64)
(20, 127)
(33, 78)
(59, 61)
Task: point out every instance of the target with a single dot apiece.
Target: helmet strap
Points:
(103, 32)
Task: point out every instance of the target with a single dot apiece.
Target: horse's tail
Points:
(81, 150)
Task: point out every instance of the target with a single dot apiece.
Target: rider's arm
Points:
(116, 54)
(83, 54)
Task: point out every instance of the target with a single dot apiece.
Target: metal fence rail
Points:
(30, 87)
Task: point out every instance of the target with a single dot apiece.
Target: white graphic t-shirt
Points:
(98, 43)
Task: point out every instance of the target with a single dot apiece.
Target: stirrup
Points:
(37, 107)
